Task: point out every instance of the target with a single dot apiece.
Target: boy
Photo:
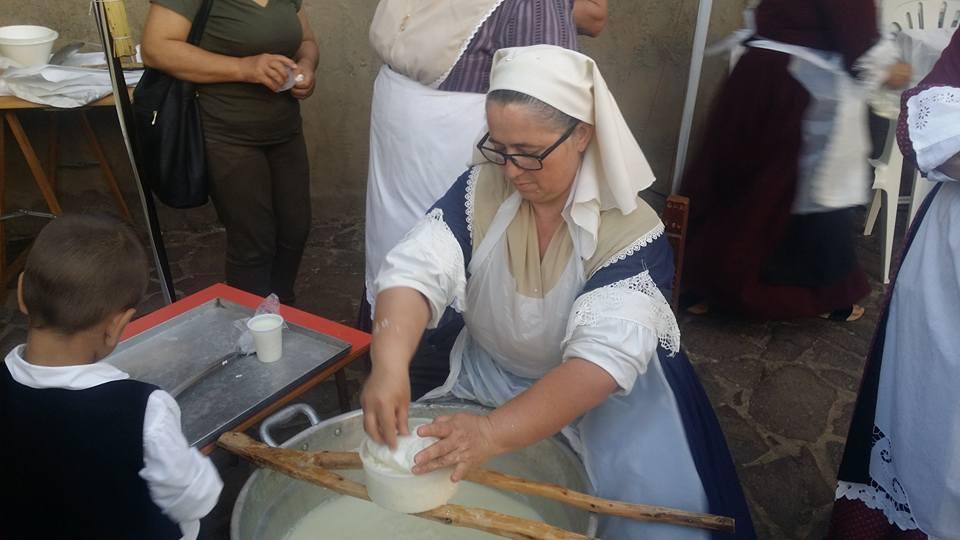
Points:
(86, 452)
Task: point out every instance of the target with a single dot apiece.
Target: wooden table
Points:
(359, 344)
(46, 180)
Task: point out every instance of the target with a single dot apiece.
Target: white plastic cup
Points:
(267, 331)
(27, 45)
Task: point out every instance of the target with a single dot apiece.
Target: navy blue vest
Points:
(69, 463)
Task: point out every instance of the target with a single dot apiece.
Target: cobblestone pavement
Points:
(784, 391)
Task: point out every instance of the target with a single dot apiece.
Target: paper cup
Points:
(27, 45)
(267, 330)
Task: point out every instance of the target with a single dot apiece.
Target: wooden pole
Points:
(302, 466)
(638, 512)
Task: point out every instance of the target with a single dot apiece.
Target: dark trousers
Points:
(262, 196)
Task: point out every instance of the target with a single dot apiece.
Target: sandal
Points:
(847, 314)
(699, 309)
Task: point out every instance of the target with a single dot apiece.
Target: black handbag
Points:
(169, 134)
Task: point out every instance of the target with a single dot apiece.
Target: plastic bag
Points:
(270, 304)
(292, 79)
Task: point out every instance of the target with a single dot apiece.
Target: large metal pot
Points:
(270, 503)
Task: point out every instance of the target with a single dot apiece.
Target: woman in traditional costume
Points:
(783, 163)
(900, 475)
(562, 274)
(428, 111)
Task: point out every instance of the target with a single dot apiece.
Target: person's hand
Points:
(466, 441)
(385, 401)
(898, 76)
(270, 70)
(304, 88)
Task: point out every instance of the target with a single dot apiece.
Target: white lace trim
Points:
(926, 100)
(432, 241)
(470, 198)
(932, 117)
(875, 498)
(610, 301)
(466, 43)
(635, 246)
(450, 255)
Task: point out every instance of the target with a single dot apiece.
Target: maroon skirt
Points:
(746, 252)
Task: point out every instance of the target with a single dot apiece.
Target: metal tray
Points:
(171, 353)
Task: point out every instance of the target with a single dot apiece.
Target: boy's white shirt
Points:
(182, 481)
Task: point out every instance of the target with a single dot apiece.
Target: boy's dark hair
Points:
(81, 270)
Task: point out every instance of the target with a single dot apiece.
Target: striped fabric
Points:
(516, 23)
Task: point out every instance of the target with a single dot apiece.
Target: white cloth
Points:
(932, 118)
(60, 86)
(836, 138)
(182, 482)
(421, 141)
(614, 168)
(425, 40)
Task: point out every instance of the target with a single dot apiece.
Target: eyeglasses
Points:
(526, 162)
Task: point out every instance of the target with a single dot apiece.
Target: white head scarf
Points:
(614, 169)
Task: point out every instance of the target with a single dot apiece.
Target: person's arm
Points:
(182, 482)
(164, 46)
(590, 16)
(951, 167)
(467, 440)
(307, 57)
(401, 317)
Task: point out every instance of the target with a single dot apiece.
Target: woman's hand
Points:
(270, 70)
(466, 441)
(385, 401)
(898, 76)
(304, 88)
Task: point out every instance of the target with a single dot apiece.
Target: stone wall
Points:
(644, 53)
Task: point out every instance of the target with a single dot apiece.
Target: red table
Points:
(359, 343)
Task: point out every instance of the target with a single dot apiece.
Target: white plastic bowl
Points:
(406, 492)
(27, 45)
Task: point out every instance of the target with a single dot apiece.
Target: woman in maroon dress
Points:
(783, 163)
(899, 479)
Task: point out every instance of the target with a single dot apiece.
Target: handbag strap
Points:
(199, 22)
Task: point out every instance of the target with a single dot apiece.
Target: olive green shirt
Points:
(245, 113)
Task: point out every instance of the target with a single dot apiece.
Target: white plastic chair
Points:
(920, 14)
(899, 15)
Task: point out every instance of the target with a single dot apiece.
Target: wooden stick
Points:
(303, 466)
(637, 512)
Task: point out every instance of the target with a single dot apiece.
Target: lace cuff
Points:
(932, 119)
(429, 259)
(615, 320)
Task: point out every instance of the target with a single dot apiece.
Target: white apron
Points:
(633, 446)
(917, 460)
(833, 170)
(421, 140)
